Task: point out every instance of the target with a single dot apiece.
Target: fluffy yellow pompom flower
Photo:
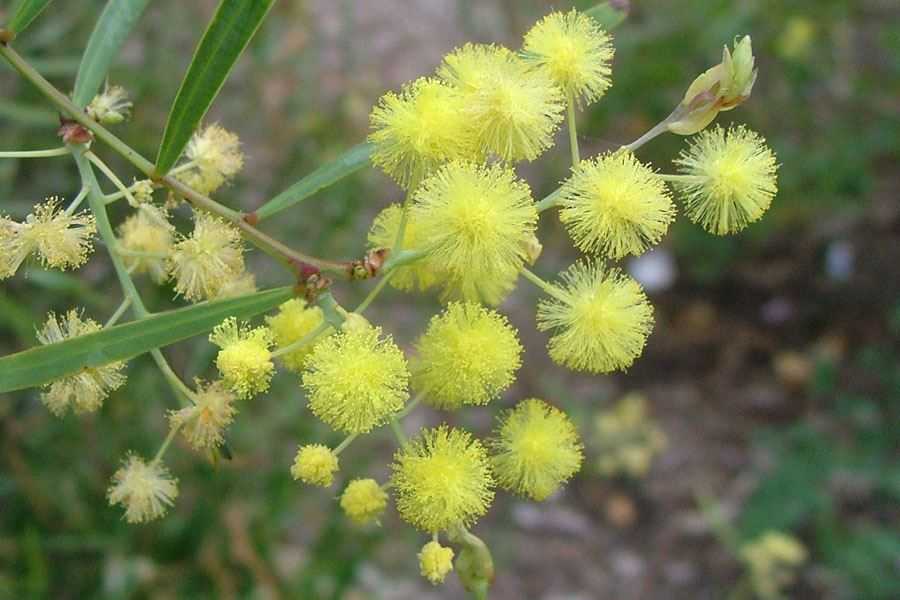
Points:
(356, 380)
(468, 355)
(146, 490)
(729, 179)
(85, 390)
(61, 241)
(615, 205)
(204, 422)
(214, 157)
(442, 479)
(514, 109)
(435, 562)
(363, 500)
(601, 319)
(418, 130)
(575, 51)
(204, 262)
(478, 222)
(244, 360)
(148, 231)
(294, 321)
(315, 464)
(383, 234)
(536, 449)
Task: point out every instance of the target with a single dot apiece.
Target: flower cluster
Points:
(772, 561)
(626, 439)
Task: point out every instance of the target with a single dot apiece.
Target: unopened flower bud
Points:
(111, 107)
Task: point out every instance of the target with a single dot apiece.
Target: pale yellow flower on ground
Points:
(85, 390)
(363, 500)
(145, 490)
(216, 156)
(435, 562)
(626, 438)
(205, 261)
(149, 231)
(295, 320)
(245, 358)
(315, 464)
(773, 560)
(204, 422)
(418, 275)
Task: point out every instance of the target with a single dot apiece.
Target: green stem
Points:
(78, 200)
(119, 312)
(375, 292)
(402, 258)
(174, 381)
(680, 178)
(543, 285)
(343, 445)
(173, 431)
(123, 189)
(656, 130)
(35, 153)
(551, 200)
(573, 133)
(410, 407)
(398, 433)
(303, 341)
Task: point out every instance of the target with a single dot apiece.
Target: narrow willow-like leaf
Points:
(609, 14)
(24, 13)
(349, 162)
(112, 28)
(42, 364)
(228, 34)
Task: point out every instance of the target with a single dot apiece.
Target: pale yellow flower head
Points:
(203, 423)
(435, 562)
(442, 480)
(626, 438)
(147, 230)
(245, 359)
(110, 107)
(514, 109)
(243, 284)
(215, 157)
(418, 130)
(295, 320)
(600, 318)
(205, 261)
(478, 222)
(58, 240)
(575, 51)
(615, 206)
(418, 275)
(731, 179)
(85, 390)
(535, 449)
(363, 500)
(145, 490)
(315, 464)
(773, 560)
(468, 355)
(355, 380)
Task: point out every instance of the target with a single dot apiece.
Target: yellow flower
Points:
(145, 490)
(601, 319)
(514, 109)
(627, 439)
(616, 206)
(435, 562)
(773, 559)
(575, 51)
(147, 230)
(363, 500)
(442, 479)
(111, 107)
(418, 130)
(204, 422)
(478, 221)
(244, 360)
(204, 262)
(468, 355)
(85, 390)
(214, 157)
(61, 241)
(356, 380)
(243, 284)
(294, 321)
(383, 234)
(730, 179)
(315, 464)
(142, 191)
(536, 449)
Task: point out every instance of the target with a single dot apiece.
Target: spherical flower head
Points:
(86, 390)
(601, 319)
(295, 320)
(442, 479)
(363, 500)
(535, 449)
(419, 129)
(145, 490)
(59, 240)
(315, 464)
(202, 263)
(243, 284)
(148, 231)
(110, 107)
(435, 562)
(383, 234)
(245, 359)
(515, 109)
(204, 422)
(731, 179)
(468, 355)
(214, 155)
(356, 379)
(478, 222)
(615, 206)
(575, 51)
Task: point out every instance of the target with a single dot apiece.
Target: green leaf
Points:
(43, 364)
(351, 161)
(228, 34)
(115, 23)
(609, 14)
(24, 13)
